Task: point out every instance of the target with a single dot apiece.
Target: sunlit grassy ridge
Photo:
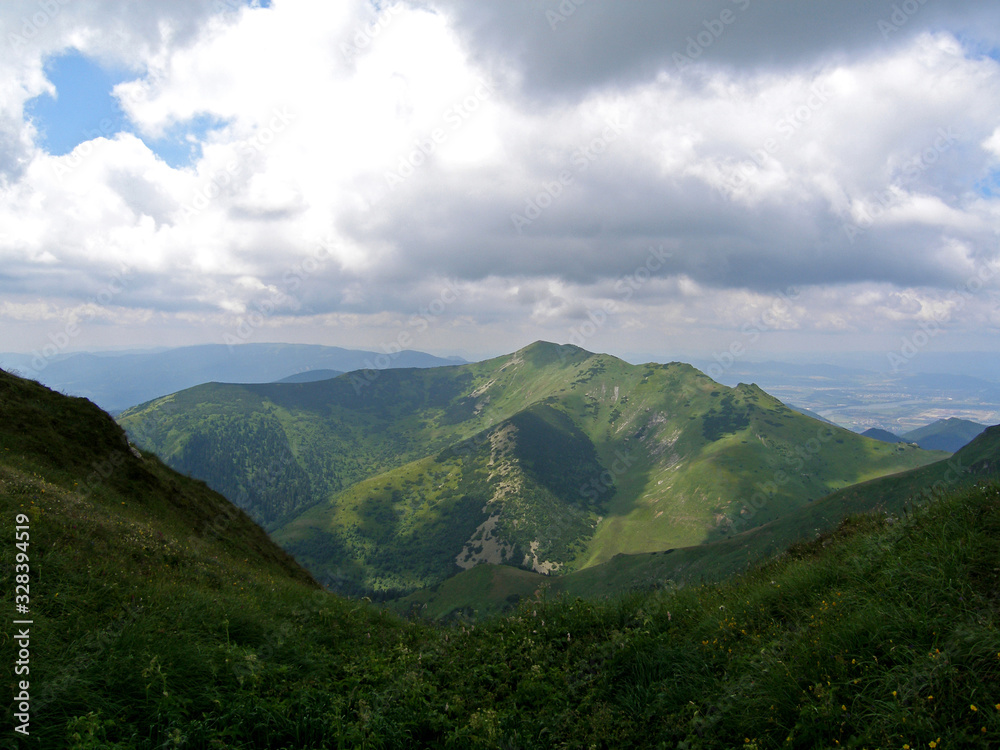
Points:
(158, 626)
(897, 494)
(551, 458)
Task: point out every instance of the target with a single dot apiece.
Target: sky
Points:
(721, 179)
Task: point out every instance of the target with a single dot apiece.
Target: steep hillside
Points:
(89, 466)
(945, 434)
(884, 435)
(551, 458)
(891, 497)
(162, 619)
(507, 495)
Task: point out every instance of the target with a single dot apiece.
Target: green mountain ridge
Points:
(892, 496)
(309, 376)
(551, 458)
(945, 434)
(162, 617)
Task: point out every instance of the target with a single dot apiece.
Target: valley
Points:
(862, 399)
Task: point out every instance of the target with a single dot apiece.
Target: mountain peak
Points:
(545, 352)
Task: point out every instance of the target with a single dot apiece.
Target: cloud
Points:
(568, 48)
(617, 158)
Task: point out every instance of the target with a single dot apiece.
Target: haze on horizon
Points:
(462, 177)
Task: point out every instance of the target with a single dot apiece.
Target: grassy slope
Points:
(154, 630)
(404, 528)
(87, 460)
(892, 495)
(715, 561)
(673, 459)
(946, 434)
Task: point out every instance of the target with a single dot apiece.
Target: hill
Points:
(945, 434)
(311, 376)
(551, 458)
(116, 381)
(809, 413)
(891, 496)
(884, 435)
(155, 625)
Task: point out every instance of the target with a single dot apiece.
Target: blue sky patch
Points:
(84, 108)
(181, 145)
(990, 186)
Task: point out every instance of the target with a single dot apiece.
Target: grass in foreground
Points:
(878, 635)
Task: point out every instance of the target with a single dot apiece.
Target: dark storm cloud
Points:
(570, 47)
(609, 227)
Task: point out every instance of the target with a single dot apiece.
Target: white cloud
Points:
(390, 155)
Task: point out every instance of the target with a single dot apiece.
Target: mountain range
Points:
(117, 380)
(945, 434)
(161, 616)
(492, 589)
(551, 459)
(949, 434)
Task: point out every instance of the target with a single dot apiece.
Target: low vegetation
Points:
(164, 619)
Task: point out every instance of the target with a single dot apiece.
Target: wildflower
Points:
(973, 708)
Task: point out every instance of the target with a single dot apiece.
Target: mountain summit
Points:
(551, 458)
